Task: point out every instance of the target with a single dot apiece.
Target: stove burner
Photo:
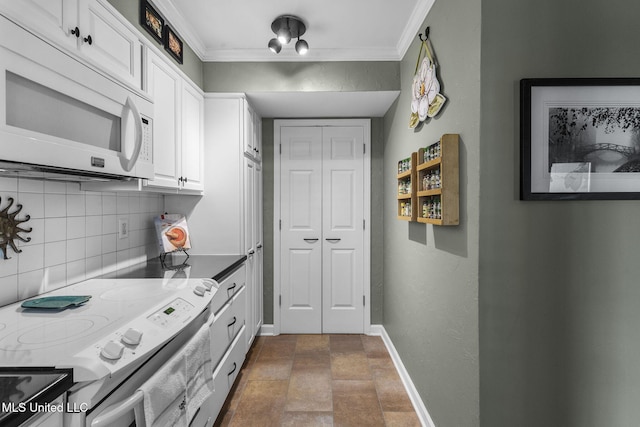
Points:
(49, 333)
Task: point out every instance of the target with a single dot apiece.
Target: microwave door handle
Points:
(129, 163)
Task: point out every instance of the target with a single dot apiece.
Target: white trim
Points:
(366, 125)
(266, 331)
(181, 26)
(412, 28)
(418, 404)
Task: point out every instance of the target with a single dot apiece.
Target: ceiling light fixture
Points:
(287, 27)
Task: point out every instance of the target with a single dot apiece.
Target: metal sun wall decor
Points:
(426, 99)
(10, 227)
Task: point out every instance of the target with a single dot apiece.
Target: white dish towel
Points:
(199, 370)
(164, 394)
(173, 395)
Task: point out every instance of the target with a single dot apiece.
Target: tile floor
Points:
(318, 380)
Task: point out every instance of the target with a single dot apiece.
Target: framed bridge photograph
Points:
(580, 139)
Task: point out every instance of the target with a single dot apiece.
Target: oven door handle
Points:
(134, 402)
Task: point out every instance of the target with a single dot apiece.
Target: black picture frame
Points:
(580, 139)
(173, 44)
(151, 21)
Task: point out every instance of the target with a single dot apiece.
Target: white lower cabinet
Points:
(228, 342)
(227, 324)
(227, 371)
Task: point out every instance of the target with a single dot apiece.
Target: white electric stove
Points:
(124, 325)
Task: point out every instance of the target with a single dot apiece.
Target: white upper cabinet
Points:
(88, 29)
(108, 42)
(53, 20)
(177, 128)
(192, 142)
(164, 88)
(252, 133)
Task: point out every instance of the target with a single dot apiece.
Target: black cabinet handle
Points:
(259, 246)
(230, 288)
(310, 240)
(232, 323)
(251, 252)
(233, 370)
(333, 240)
(88, 39)
(76, 32)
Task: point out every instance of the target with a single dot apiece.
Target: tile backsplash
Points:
(75, 234)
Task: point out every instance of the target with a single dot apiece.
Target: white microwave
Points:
(60, 115)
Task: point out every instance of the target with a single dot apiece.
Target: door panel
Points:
(343, 233)
(301, 211)
(322, 264)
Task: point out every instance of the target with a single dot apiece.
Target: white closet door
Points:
(301, 230)
(343, 233)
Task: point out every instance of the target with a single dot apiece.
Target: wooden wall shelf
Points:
(407, 188)
(437, 175)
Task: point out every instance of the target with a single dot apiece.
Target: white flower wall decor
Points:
(426, 99)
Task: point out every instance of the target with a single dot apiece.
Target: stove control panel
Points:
(134, 341)
(174, 312)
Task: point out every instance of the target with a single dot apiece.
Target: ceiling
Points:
(337, 30)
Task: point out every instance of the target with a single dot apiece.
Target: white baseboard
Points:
(418, 404)
(266, 330)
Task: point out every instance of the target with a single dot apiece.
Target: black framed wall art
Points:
(151, 20)
(580, 138)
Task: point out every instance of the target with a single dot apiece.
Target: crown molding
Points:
(181, 26)
(171, 13)
(414, 26)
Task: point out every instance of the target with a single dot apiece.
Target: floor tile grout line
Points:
(370, 355)
(375, 385)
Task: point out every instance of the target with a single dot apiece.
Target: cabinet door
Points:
(248, 129)
(257, 137)
(164, 89)
(249, 244)
(257, 238)
(192, 141)
(109, 43)
(52, 19)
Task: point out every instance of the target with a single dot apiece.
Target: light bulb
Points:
(302, 47)
(284, 35)
(275, 46)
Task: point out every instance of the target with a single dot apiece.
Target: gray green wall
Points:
(431, 272)
(300, 76)
(191, 64)
(559, 293)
